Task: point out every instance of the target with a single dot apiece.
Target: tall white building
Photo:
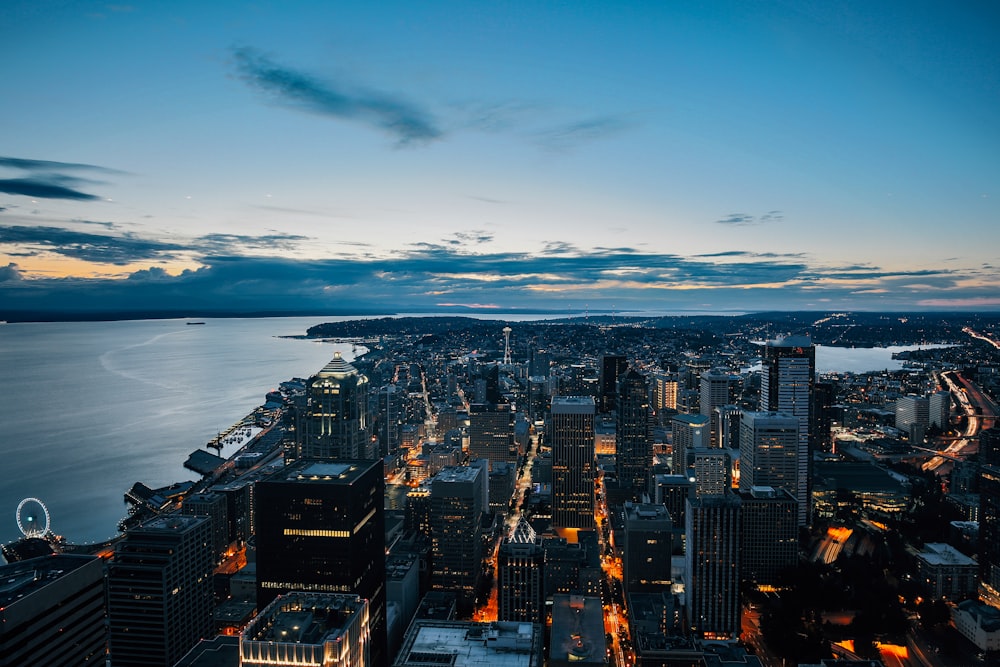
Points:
(715, 389)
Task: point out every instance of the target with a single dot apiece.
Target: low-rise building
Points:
(947, 572)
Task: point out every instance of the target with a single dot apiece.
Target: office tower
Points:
(487, 385)
(539, 363)
(335, 422)
(212, 505)
(728, 418)
(611, 368)
(577, 637)
(321, 528)
(491, 432)
(520, 576)
(786, 385)
(239, 508)
(563, 562)
(940, 409)
(715, 391)
(673, 492)
(160, 594)
(712, 472)
(688, 432)
(913, 417)
(391, 416)
(538, 397)
(712, 559)
(457, 505)
(633, 441)
(824, 413)
(315, 629)
(648, 547)
(418, 509)
(770, 445)
(665, 388)
(573, 465)
(52, 611)
(449, 643)
(502, 480)
(769, 534)
(989, 516)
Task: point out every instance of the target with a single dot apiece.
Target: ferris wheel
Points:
(32, 518)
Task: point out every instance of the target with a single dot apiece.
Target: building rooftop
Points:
(19, 580)
(313, 470)
(467, 644)
(457, 474)
(577, 630)
(304, 618)
(937, 553)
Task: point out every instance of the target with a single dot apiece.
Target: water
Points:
(89, 408)
(862, 359)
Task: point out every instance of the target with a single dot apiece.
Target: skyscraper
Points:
(715, 389)
(390, 418)
(491, 432)
(573, 465)
(786, 385)
(321, 528)
(712, 472)
(612, 366)
(769, 534)
(648, 547)
(520, 576)
(160, 595)
(457, 505)
(52, 611)
(769, 452)
(989, 516)
(712, 557)
(688, 433)
(634, 444)
(334, 423)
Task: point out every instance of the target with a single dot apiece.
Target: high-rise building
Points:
(321, 528)
(573, 464)
(491, 432)
(214, 506)
(334, 423)
(769, 452)
(712, 472)
(665, 388)
(648, 547)
(391, 416)
(913, 416)
(457, 505)
(715, 391)
(520, 576)
(52, 611)
(940, 409)
(728, 419)
(160, 593)
(673, 491)
(633, 441)
(989, 516)
(769, 534)
(786, 385)
(689, 432)
(315, 629)
(712, 559)
(612, 366)
(487, 385)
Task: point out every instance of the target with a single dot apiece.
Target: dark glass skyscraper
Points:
(573, 465)
(989, 516)
(321, 528)
(786, 385)
(634, 445)
(612, 366)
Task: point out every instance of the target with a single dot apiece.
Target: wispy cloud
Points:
(99, 248)
(385, 111)
(50, 166)
(43, 188)
(46, 179)
(568, 135)
(746, 219)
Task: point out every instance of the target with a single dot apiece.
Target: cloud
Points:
(49, 166)
(9, 273)
(225, 243)
(100, 248)
(389, 113)
(569, 135)
(739, 219)
(41, 188)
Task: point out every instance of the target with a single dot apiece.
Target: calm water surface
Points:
(89, 408)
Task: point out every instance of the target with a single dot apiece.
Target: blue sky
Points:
(407, 156)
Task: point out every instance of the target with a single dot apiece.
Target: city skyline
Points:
(257, 157)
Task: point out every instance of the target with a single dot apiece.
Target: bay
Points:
(89, 408)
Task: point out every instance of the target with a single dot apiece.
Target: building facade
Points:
(573, 463)
(334, 423)
(712, 559)
(632, 437)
